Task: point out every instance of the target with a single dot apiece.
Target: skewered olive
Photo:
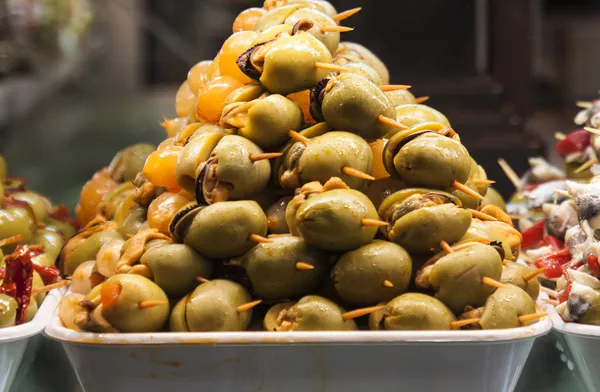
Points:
(111, 201)
(412, 312)
(514, 274)
(492, 197)
(86, 250)
(457, 277)
(50, 240)
(327, 156)
(61, 227)
(353, 52)
(212, 306)
(129, 162)
(411, 115)
(287, 64)
(376, 272)
(134, 221)
(16, 221)
(177, 321)
(276, 216)
(222, 230)
(39, 204)
(476, 173)
(175, 268)
(196, 151)
(126, 312)
(321, 5)
(420, 218)
(284, 268)
(400, 97)
(332, 219)
(255, 121)
(270, 320)
(421, 156)
(313, 313)
(8, 309)
(503, 308)
(350, 102)
(80, 280)
(495, 232)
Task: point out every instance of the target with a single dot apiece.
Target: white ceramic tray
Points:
(300, 361)
(583, 342)
(14, 341)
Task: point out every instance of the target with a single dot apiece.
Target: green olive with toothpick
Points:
(420, 218)
(8, 311)
(410, 115)
(412, 312)
(373, 273)
(492, 197)
(86, 250)
(353, 52)
(284, 268)
(40, 206)
(313, 313)
(16, 221)
(497, 232)
(504, 307)
(51, 241)
(129, 162)
(320, 5)
(400, 97)
(113, 199)
(523, 277)
(477, 182)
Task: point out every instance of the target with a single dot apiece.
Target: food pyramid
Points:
(297, 190)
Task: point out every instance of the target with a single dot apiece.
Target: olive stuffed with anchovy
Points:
(412, 312)
(523, 277)
(353, 52)
(310, 313)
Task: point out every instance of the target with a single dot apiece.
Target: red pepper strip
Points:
(575, 141)
(554, 262)
(554, 242)
(533, 235)
(565, 294)
(49, 274)
(2, 272)
(62, 213)
(592, 262)
(531, 187)
(19, 279)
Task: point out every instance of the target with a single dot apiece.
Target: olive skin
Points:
(211, 307)
(276, 216)
(16, 221)
(221, 230)
(51, 240)
(259, 125)
(476, 173)
(327, 154)
(503, 308)
(129, 162)
(289, 65)
(513, 274)
(8, 312)
(80, 280)
(332, 220)
(39, 204)
(358, 275)
(272, 269)
(314, 313)
(492, 197)
(353, 52)
(196, 151)
(61, 227)
(88, 250)
(177, 322)
(400, 97)
(414, 114)
(495, 231)
(126, 315)
(354, 104)
(431, 160)
(457, 276)
(31, 310)
(175, 268)
(412, 312)
(270, 320)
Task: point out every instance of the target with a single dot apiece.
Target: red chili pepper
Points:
(592, 262)
(2, 272)
(575, 141)
(49, 274)
(531, 187)
(19, 279)
(62, 213)
(533, 235)
(554, 262)
(565, 294)
(554, 242)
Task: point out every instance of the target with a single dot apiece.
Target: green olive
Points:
(415, 114)
(2, 169)
(288, 63)
(274, 272)
(175, 268)
(276, 216)
(222, 230)
(87, 250)
(350, 102)
(320, 5)
(457, 276)
(246, 93)
(8, 306)
(39, 204)
(112, 200)
(504, 307)
(422, 157)
(492, 197)
(332, 220)
(476, 173)
(495, 231)
(196, 151)
(255, 121)
(326, 157)
(126, 314)
(270, 320)
(400, 97)
(420, 218)
(412, 312)
(571, 171)
(513, 273)
(61, 227)
(365, 70)
(353, 52)
(50, 240)
(129, 162)
(212, 307)
(230, 173)
(36, 283)
(31, 310)
(376, 272)
(16, 221)
(134, 221)
(177, 322)
(313, 313)
(80, 280)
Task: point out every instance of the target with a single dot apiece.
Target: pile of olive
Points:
(27, 218)
(295, 185)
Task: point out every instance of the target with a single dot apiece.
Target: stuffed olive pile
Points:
(296, 191)
(32, 233)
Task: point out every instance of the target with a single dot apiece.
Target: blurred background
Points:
(81, 79)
